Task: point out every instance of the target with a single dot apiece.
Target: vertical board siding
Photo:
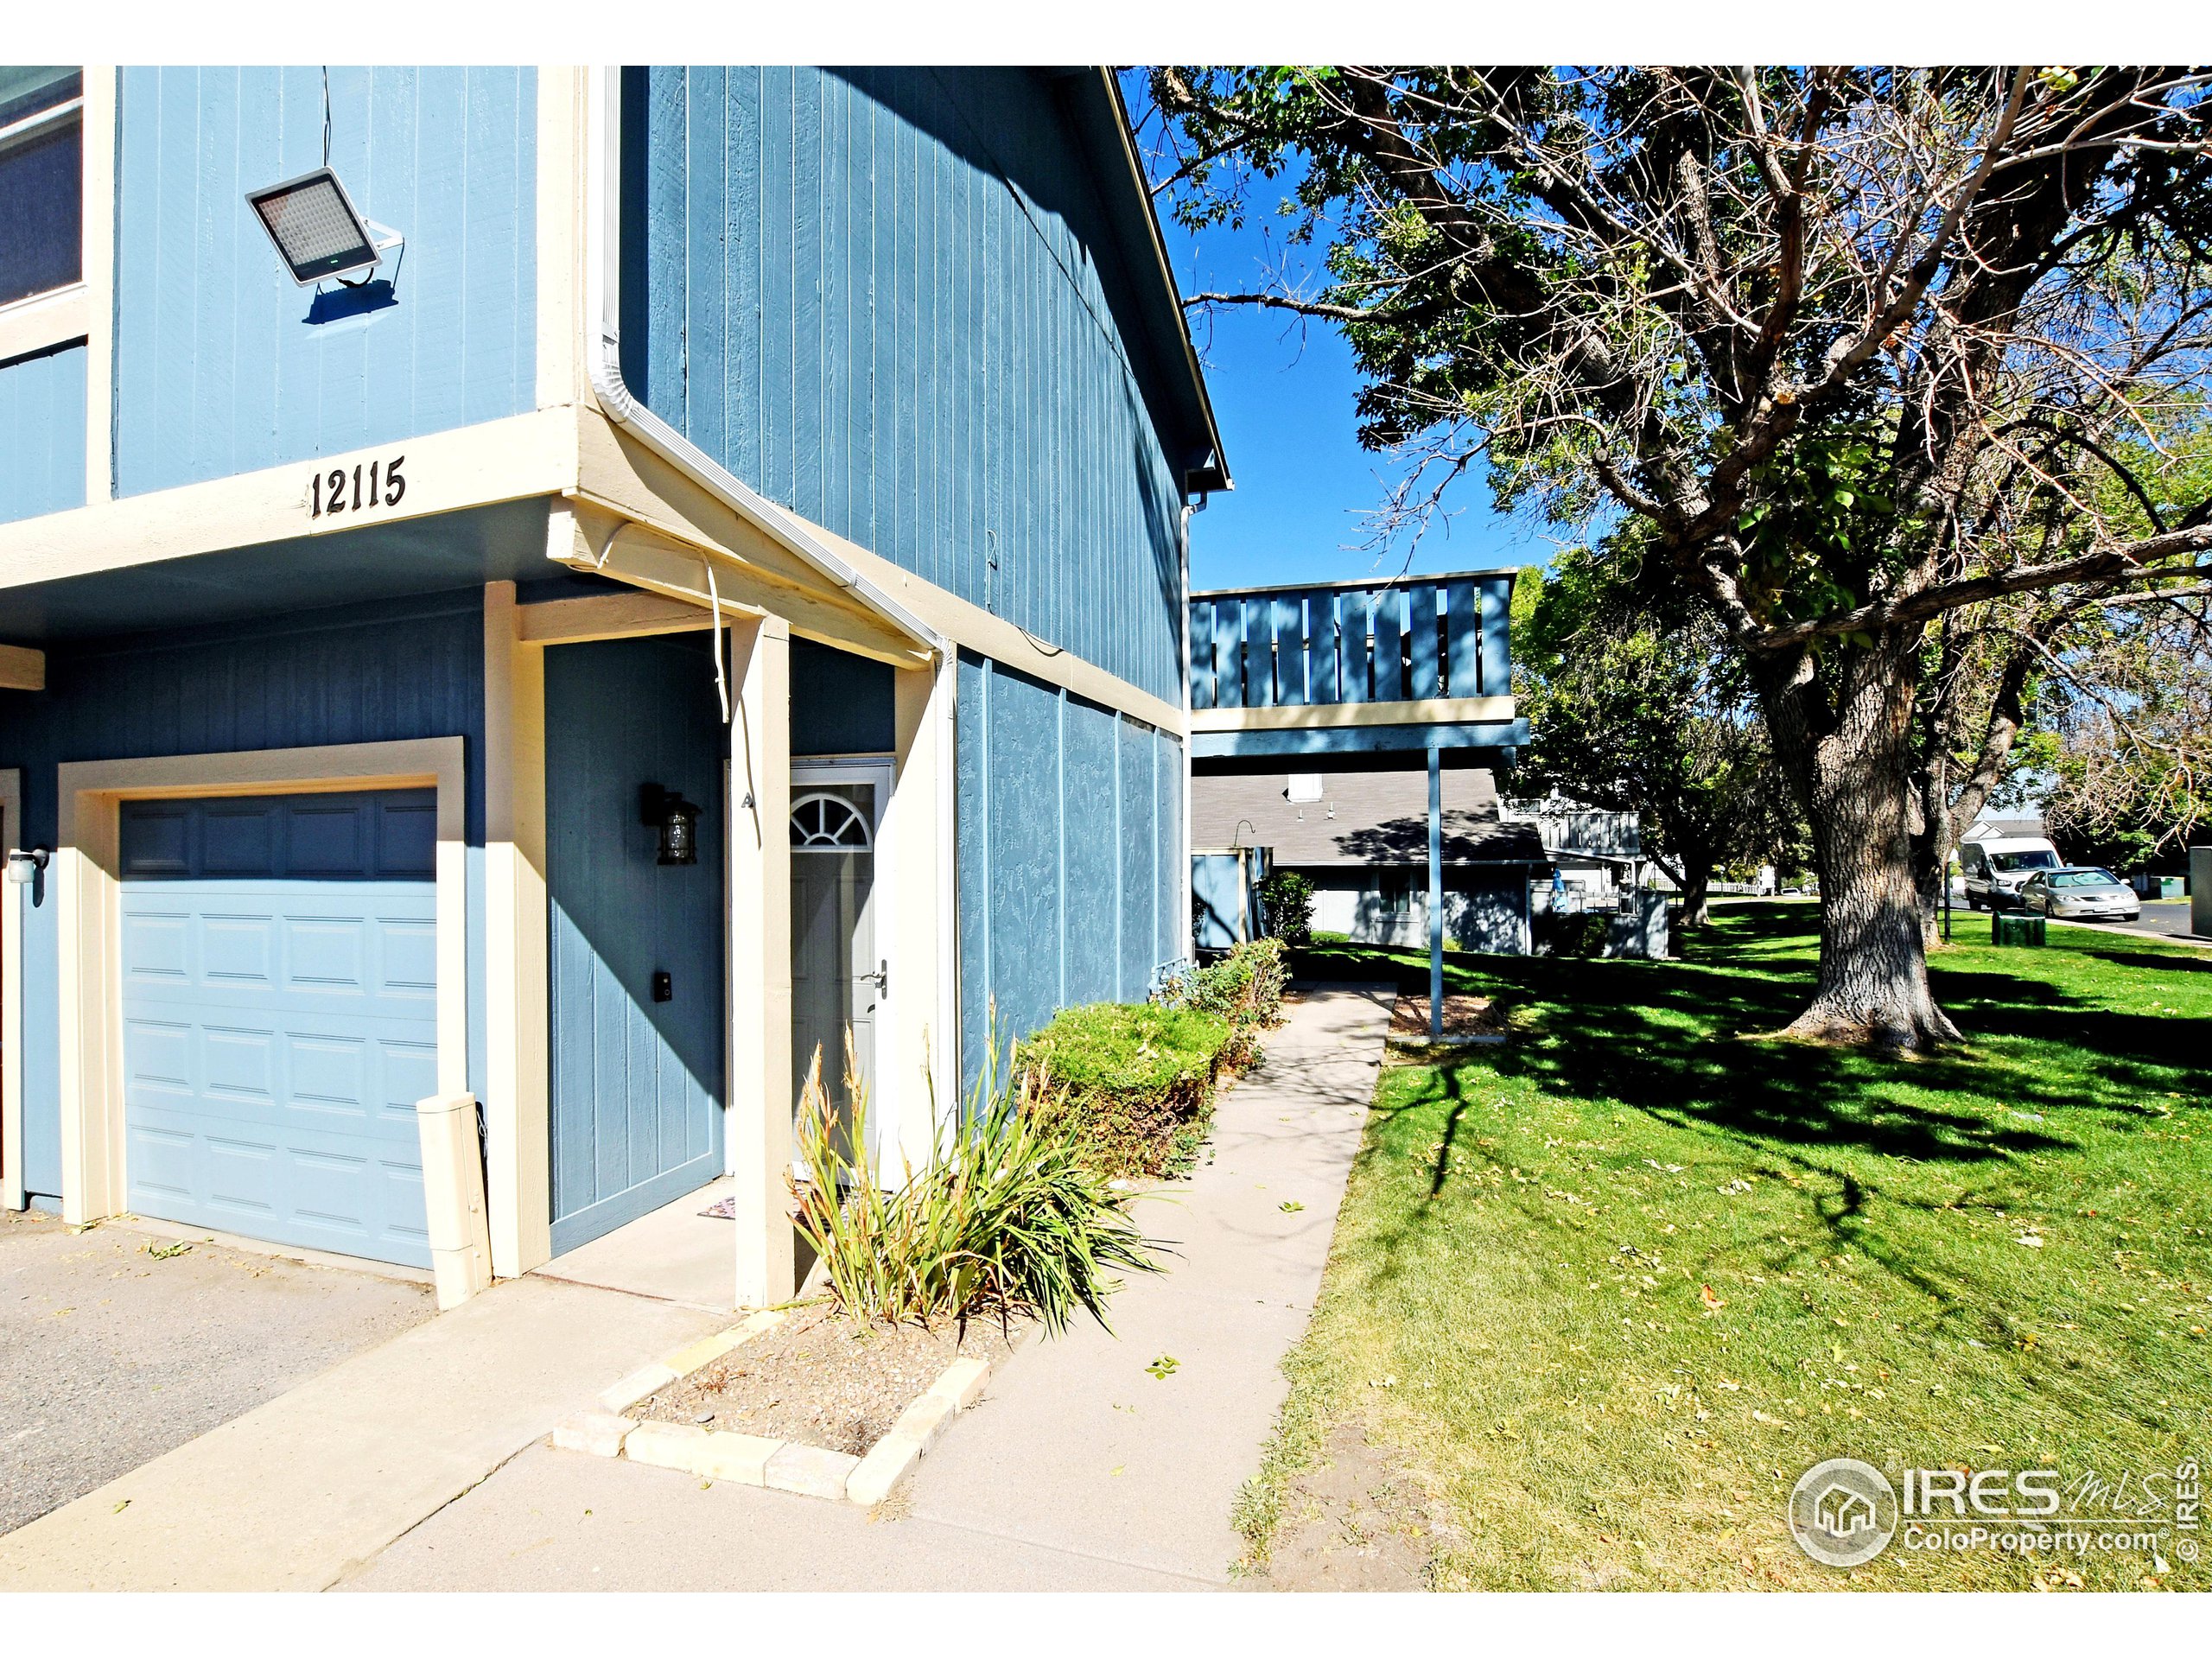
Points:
(1420, 627)
(1290, 648)
(365, 674)
(1462, 676)
(225, 364)
(42, 432)
(1070, 849)
(883, 298)
(1389, 668)
(1321, 661)
(1091, 853)
(1497, 637)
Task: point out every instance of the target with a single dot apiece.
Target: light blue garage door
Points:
(279, 1015)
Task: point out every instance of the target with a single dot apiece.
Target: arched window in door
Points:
(827, 824)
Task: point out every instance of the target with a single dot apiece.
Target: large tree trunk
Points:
(1842, 730)
(1697, 877)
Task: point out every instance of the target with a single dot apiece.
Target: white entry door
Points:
(838, 979)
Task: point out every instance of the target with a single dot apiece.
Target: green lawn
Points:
(1605, 1292)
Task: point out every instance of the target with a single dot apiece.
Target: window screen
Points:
(41, 181)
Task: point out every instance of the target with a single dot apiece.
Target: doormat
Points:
(722, 1208)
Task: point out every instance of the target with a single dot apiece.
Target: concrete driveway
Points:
(111, 1356)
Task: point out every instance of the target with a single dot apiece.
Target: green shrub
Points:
(1133, 1081)
(1005, 1219)
(1289, 897)
(1244, 987)
(1582, 934)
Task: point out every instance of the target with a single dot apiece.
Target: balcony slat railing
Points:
(1376, 642)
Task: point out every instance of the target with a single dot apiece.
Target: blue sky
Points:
(1283, 391)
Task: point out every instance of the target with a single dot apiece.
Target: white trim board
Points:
(12, 1195)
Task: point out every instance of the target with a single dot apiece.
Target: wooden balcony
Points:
(1414, 663)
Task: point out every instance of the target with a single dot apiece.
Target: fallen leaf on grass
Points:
(1771, 1423)
(1713, 1303)
(164, 1252)
(2032, 1241)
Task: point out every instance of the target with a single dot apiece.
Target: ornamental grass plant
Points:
(1004, 1219)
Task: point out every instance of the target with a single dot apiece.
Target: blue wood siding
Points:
(224, 365)
(1070, 854)
(637, 1084)
(42, 432)
(841, 703)
(409, 669)
(884, 298)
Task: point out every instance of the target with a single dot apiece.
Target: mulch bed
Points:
(1464, 1016)
(822, 1379)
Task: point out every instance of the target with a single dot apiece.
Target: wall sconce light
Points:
(676, 818)
(24, 864)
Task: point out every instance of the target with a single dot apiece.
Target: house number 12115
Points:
(341, 490)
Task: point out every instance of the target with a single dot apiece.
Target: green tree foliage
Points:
(1888, 364)
(1639, 706)
(1288, 898)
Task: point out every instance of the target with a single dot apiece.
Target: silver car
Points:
(2081, 893)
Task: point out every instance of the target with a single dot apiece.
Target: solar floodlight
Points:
(318, 232)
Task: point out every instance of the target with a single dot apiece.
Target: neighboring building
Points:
(1352, 731)
(718, 579)
(1996, 826)
(1362, 839)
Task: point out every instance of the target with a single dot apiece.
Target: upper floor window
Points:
(41, 181)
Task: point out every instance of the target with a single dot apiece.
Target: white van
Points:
(1996, 869)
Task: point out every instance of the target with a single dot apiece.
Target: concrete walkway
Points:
(1079, 1470)
(294, 1494)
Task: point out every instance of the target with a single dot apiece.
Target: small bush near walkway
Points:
(1244, 987)
(1132, 1082)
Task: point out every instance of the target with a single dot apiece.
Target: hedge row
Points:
(1134, 1081)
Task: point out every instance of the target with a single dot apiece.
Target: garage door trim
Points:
(88, 892)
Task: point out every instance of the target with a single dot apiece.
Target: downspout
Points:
(603, 216)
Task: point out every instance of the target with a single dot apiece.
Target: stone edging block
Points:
(892, 1458)
(752, 1459)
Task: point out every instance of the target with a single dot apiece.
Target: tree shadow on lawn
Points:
(1661, 1039)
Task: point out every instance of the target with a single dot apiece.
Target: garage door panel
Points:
(235, 840)
(280, 1019)
(408, 952)
(156, 945)
(325, 953)
(234, 948)
(328, 841)
(162, 1160)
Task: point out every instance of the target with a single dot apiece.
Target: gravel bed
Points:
(822, 1379)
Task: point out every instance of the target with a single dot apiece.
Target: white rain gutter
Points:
(603, 216)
